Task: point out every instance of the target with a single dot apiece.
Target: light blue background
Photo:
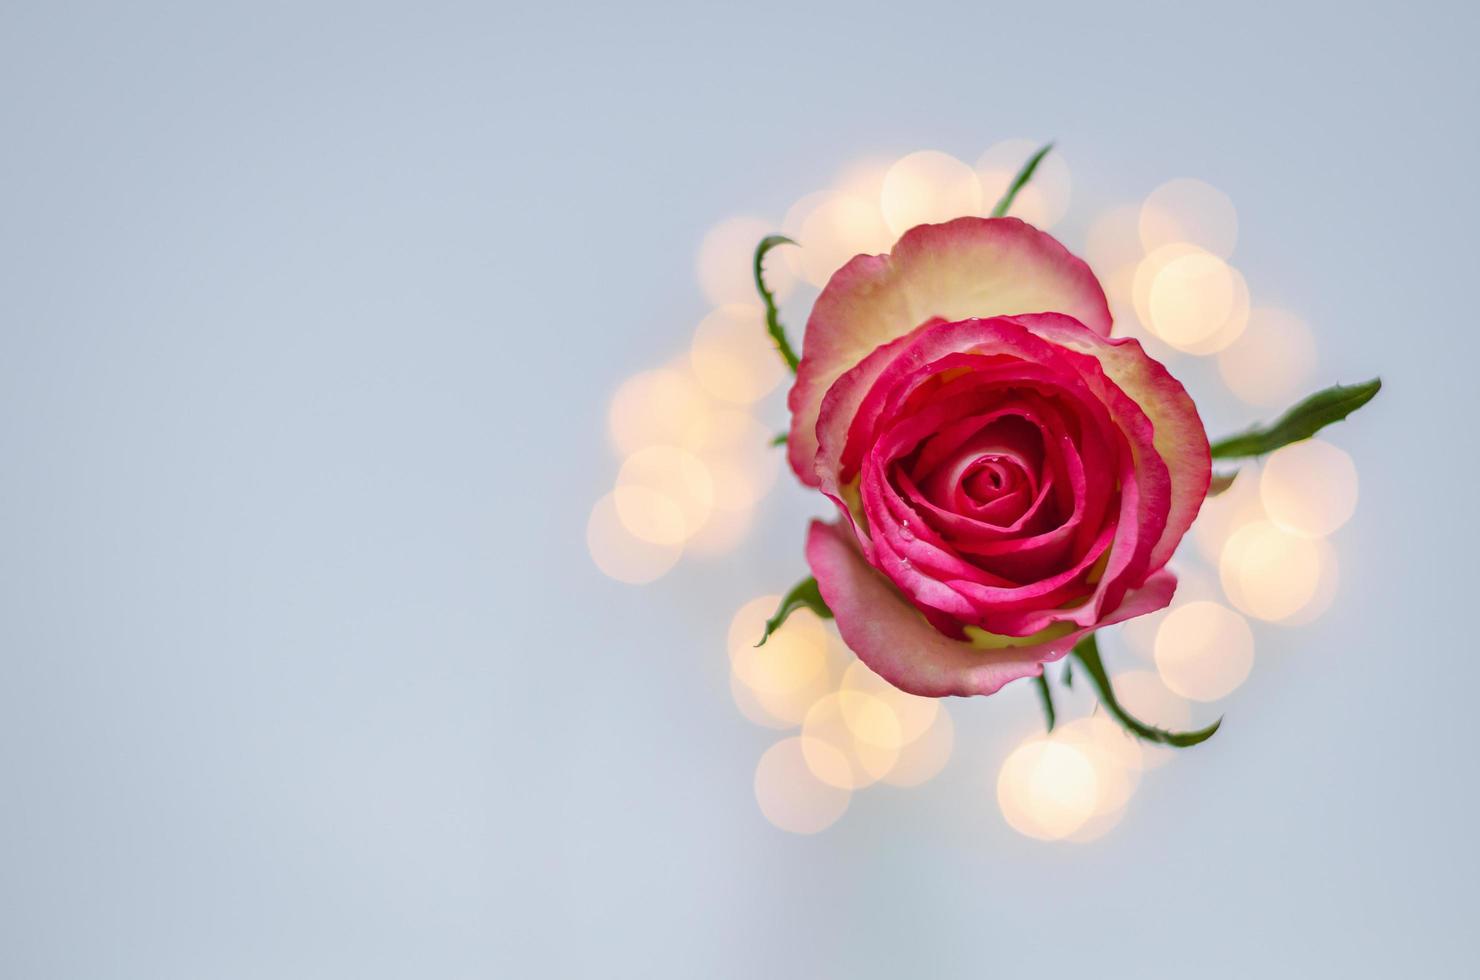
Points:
(308, 319)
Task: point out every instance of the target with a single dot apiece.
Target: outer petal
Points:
(1180, 438)
(898, 644)
(970, 267)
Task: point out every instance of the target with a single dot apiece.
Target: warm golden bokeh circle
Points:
(789, 792)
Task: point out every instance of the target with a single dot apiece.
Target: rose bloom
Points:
(1009, 477)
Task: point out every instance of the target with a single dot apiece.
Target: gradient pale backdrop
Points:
(309, 316)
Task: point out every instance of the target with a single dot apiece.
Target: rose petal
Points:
(970, 267)
(1180, 438)
(898, 644)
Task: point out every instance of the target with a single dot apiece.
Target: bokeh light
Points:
(664, 494)
(913, 715)
(1328, 581)
(792, 655)
(777, 683)
(870, 745)
(1272, 363)
(1309, 488)
(621, 555)
(1224, 514)
(1189, 210)
(928, 187)
(1138, 635)
(663, 406)
(1045, 199)
(1269, 573)
(791, 796)
(1113, 239)
(1117, 763)
(723, 532)
(921, 759)
(1047, 788)
(831, 228)
(1190, 298)
(1204, 651)
(724, 265)
(1143, 694)
(743, 463)
(732, 356)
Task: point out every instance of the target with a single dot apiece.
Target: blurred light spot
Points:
(1045, 199)
(912, 715)
(749, 623)
(1268, 572)
(650, 515)
(794, 653)
(733, 357)
(1113, 240)
(1139, 635)
(723, 532)
(659, 407)
(1120, 293)
(832, 228)
(752, 708)
(621, 555)
(1328, 581)
(870, 719)
(726, 263)
(664, 494)
(1116, 760)
(1233, 325)
(1309, 488)
(741, 459)
(863, 178)
(869, 757)
(1047, 788)
(1204, 651)
(786, 676)
(1190, 298)
(923, 757)
(1189, 210)
(1224, 514)
(1144, 696)
(791, 796)
(1122, 748)
(926, 188)
(1272, 361)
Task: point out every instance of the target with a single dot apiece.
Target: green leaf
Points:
(1069, 674)
(1046, 697)
(1221, 482)
(1301, 422)
(779, 439)
(773, 321)
(1023, 176)
(1087, 652)
(802, 595)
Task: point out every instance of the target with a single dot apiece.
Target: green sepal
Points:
(803, 595)
(1023, 176)
(779, 439)
(1221, 482)
(773, 319)
(1301, 422)
(1087, 652)
(1045, 696)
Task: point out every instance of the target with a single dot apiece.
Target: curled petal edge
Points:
(894, 639)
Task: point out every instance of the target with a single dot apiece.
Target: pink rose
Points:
(1010, 478)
